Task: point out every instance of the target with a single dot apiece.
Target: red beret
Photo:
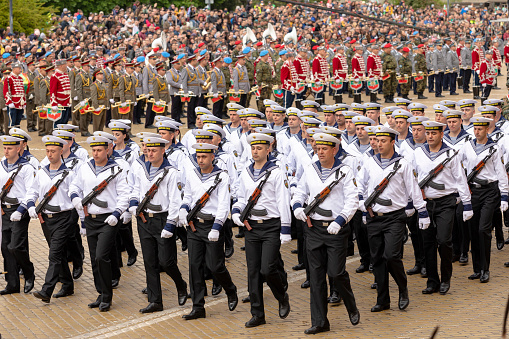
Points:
(353, 41)
(406, 49)
(201, 44)
(238, 42)
(182, 46)
(420, 46)
(277, 46)
(259, 43)
(387, 45)
(372, 41)
(315, 47)
(196, 51)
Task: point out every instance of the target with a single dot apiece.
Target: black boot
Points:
(420, 96)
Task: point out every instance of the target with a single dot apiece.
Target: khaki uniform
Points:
(161, 92)
(228, 84)
(43, 98)
(420, 66)
(128, 85)
(250, 73)
(72, 80)
(82, 85)
(99, 96)
(114, 86)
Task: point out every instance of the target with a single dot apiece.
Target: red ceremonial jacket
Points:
(289, 76)
(488, 72)
(60, 89)
(339, 66)
(14, 92)
(374, 66)
(320, 69)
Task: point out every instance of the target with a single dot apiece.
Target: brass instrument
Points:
(160, 102)
(142, 96)
(79, 105)
(184, 94)
(123, 104)
(208, 83)
(92, 109)
(241, 91)
(211, 95)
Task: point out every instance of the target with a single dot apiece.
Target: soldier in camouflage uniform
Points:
(250, 71)
(227, 79)
(277, 78)
(349, 55)
(264, 77)
(420, 66)
(389, 68)
(405, 69)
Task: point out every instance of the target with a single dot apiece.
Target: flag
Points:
(185, 99)
(214, 100)
(83, 109)
(158, 109)
(279, 93)
(124, 109)
(98, 111)
(234, 97)
(43, 114)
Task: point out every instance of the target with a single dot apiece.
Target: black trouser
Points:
(125, 237)
(485, 200)
(416, 237)
(217, 108)
(138, 111)
(467, 74)
(302, 227)
(15, 248)
(210, 254)
(431, 81)
(439, 83)
(452, 82)
(243, 100)
(57, 232)
(182, 235)
(497, 225)
(445, 83)
(327, 256)
(361, 236)
(460, 233)
(228, 233)
(150, 115)
(101, 244)
(486, 91)
(176, 107)
(75, 248)
(385, 235)
(158, 253)
(262, 258)
(439, 234)
(202, 101)
(191, 114)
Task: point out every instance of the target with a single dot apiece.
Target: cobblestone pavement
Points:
(469, 310)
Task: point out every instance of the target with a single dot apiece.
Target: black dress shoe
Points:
(182, 296)
(299, 267)
(96, 303)
(195, 314)
(485, 276)
(284, 307)
(242, 248)
(29, 284)
(500, 245)
(317, 329)
(350, 251)
(255, 321)
(42, 296)
(355, 317)
(455, 257)
(362, 268)
(86, 134)
(463, 259)
(6, 291)
(216, 289)
(184, 247)
(114, 283)
(444, 287)
(239, 235)
(104, 307)
(421, 97)
(467, 91)
(430, 290)
(380, 308)
(228, 252)
(246, 299)
(295, 251)
(233, 301)
(403, 299)
(432, 91)
(439, 96)
(144, 291)
(63, 293)
(374, 286)
(77, 272)
(334, 298)
(506, 264)
(132, 259)
(474, 276)
(305, 284)
(423, 273)
(152, 307)
(454, 93)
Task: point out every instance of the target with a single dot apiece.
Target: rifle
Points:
(98, 190)
(253, 199)
(480, 166)
(320, 197)
(379, 189)
(149, 195)
(8, 185)
(49, 195)
(201, 202)
(434, 172)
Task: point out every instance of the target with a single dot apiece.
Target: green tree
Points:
(27, 15)
(91, 6)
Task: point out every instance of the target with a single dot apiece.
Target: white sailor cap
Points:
(335, 132)
(382, 131)
(326, 139)
(264, 130)
(105, 135)
(204, 148)
(311, 122)
(202, 134)
(162, 118)
(68, 127)
(453, 113)
(480, 121)
(328, 109)
(389, 110)
(467, 103)
(416, 107)
(402, 101)
(257, 123)
(166, 125)
(356, 107)
(341, 107)
(50, 140)
(259, 138)
(124, 121)
(118, 126)
(201, 110)
(486, 109)
(216, 129)
(372, 106)
(143, 135)
(292, 111)
(155, 142)
(308, 114)
(370, 129)
(66, 135)
(362, 120)
(19, 133)
(313, 130)
(440, 108)
(9, 140)
(448, 103)
(268, 102)
(433, 125)
(277, 109)
(493, 102)
(417, 120)
(309, 104)
(251, 112)
(350, 114)
(233, 106)
(96, 140)
(401, 113)
(211, 119)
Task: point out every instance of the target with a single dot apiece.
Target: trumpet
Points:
(121, 104)
(38, 109)
(79, 105)
(208, 83)
(160, 102)
(60, 107)
(92, 109)
(211, 95)
(142, 96)
(184, 94)
(241, 91)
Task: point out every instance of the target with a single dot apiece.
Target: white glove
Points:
(4, 109)
(362, 207)
(16, 216)
(364, 220)
(75, 98)
(83, 231)
(467, 215)
(182, 218)
(11, 105)
(126, 217)
(299, 214)
(236, 219)
(213, 235)
(285, 238)
(215, 95)
(136, 103)
(319, 82)
(132, 210)
(112, 101)
(77, 204)
(483, 85)
(424, 223)
(478, 72)
(181, 86)
(30, 97)
(32, 213)
(111, 220)
(458, 200)
(333, 228)
(166, 234)
(410, 212)
(54, 108)
(503, 206)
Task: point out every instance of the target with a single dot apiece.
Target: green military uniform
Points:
(99, 97)
(161, 92)
(43, 98)
(114, 86)
(277, 78)
(420, 66)
(72, 80)
(128, 91)
(389, 67)
(250, 73)
(263, 77)
(405, 68)
(228, 83)
(31, 116)
(82, 86)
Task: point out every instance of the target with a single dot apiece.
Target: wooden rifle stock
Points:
(191, 225)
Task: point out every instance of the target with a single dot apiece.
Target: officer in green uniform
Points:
(405, 70)
(389, 68)
(420, 66)
(250, 71)
(264, 78)
(227, 79)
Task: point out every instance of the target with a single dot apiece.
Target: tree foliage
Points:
(27, 15)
